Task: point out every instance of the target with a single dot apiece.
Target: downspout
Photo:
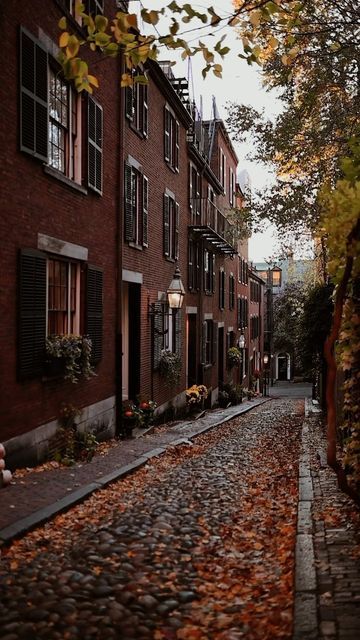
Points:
(118, 278)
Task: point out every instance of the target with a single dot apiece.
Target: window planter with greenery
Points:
(233, 357)
(170, 367)
(69, 355)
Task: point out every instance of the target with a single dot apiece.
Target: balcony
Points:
(208, 222)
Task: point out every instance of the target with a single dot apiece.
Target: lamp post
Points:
(266, 362)
(241, 345)
(176, 291)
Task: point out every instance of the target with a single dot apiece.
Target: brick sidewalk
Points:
(327, 602)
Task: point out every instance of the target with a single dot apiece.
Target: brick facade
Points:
(59, 217)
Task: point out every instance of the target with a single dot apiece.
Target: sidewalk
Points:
(36, 497)
(327, 580)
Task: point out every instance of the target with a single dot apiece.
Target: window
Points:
(254, 291)
(209, 271)
(242, 313)
(193, 265)
(222, 169)
(92, 7)
(166, 331)
(231, 291)
(276, 277)
(221, 289)
(63, 104)
(63, 299)
(50, 118)
(171, 227)
(136, 206)
(95, 7)
(136, 104)
(208, 342)
(171, 140)
(254, 328)
(51, 294)
(195, 189)
(231, 187)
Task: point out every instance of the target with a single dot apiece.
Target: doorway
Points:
(131, 294)
(191, 349)
(220, 356)
(283, 366)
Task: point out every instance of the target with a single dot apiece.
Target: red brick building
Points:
(60, 221)
(102, 197)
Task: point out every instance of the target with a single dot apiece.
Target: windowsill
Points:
(173, 169)
(140, 134)
(169, 259)
(207, 366)
(134, 245)
(54, 173)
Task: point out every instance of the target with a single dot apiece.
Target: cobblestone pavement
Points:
(198, 545)
(34, 497)
(137, 570)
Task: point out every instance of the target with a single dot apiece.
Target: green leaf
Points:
(62, 23)
(101, 22)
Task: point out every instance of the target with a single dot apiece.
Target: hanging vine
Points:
(341, 223)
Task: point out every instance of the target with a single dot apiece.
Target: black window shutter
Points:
(191, 195)
(178, 332)
(221, 289)
(167, 126)
(95, 144)
(32, 313)
(239, 313)
(129, 209)
(212, 272)
(203, 342)
(166, 225)
(228, 341)
(145, 211)
(145, 109)
(129, 102)
(191, 264)
(157, 333)
(94, 311)
(214, 345)
(34, 97)
(197, 266)
(176, 231)
(177, 146)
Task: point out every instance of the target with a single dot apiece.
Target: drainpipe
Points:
(118, 276)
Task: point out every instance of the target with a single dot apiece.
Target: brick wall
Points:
(34, 202)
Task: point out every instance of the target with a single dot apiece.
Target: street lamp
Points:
(176, 291)
(241, 346)
(266, 362)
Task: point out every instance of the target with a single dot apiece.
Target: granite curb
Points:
(305, 601)
(22, 526)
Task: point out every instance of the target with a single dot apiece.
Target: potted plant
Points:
(233, 357)
(196, 396)
(71, 354)
(130, 418)
(170, 367)
(147, 408)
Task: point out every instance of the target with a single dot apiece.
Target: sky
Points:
(240, 83)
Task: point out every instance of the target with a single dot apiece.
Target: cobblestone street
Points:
(198, 544)
(209, 540)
